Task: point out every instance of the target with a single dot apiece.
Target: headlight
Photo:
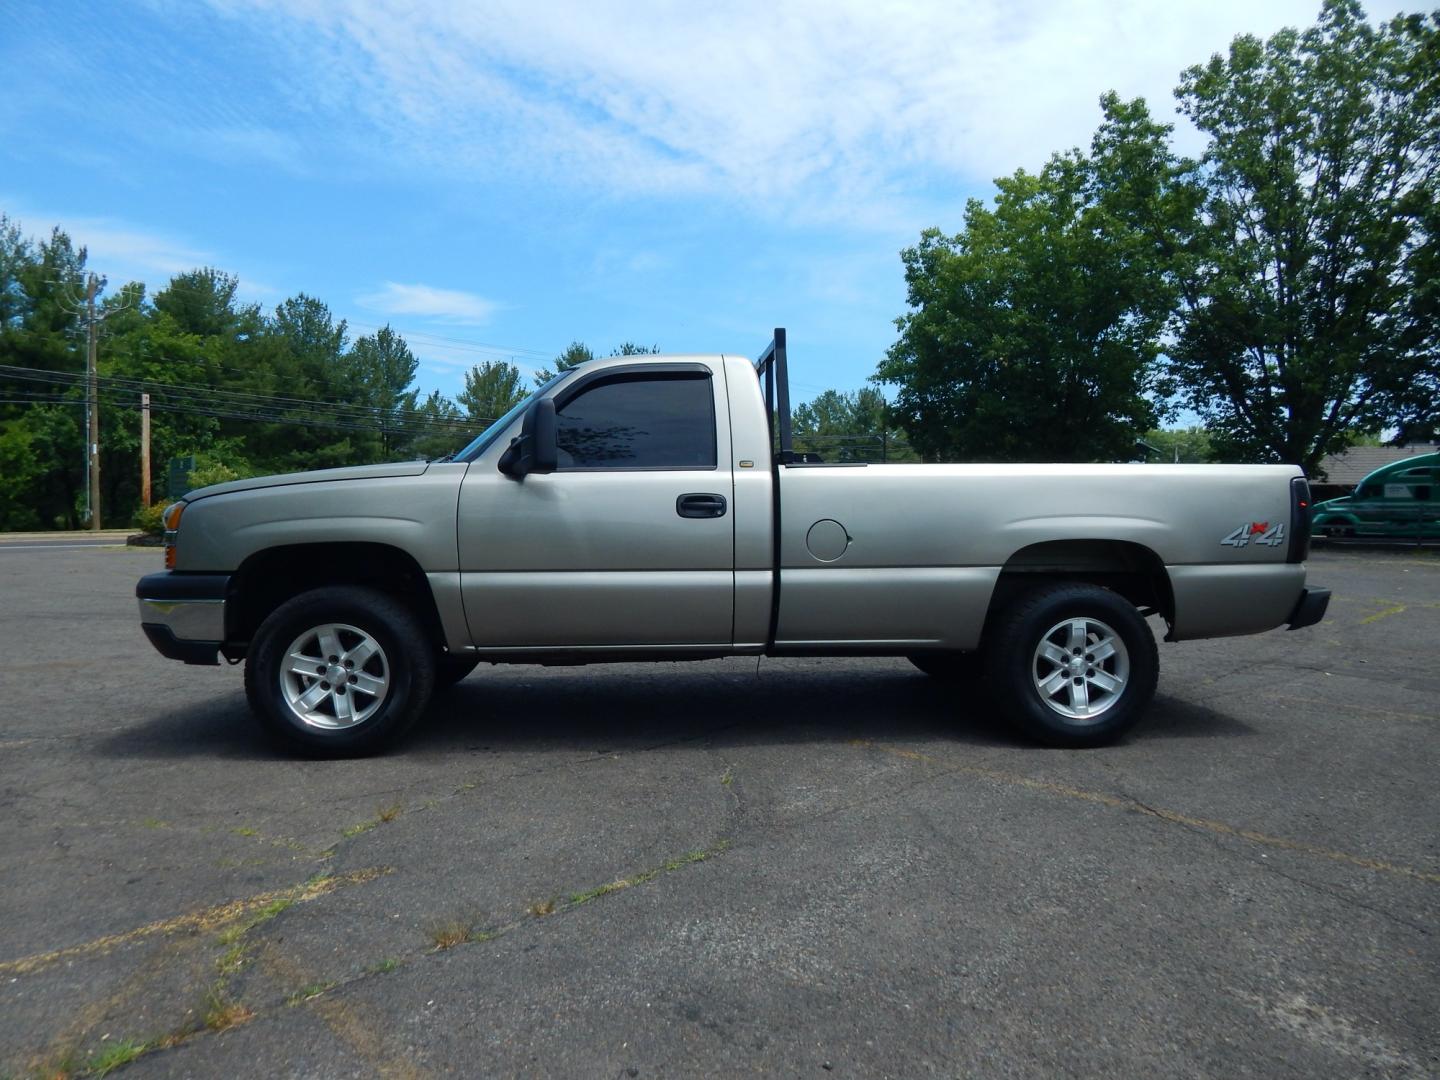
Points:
(171, 520)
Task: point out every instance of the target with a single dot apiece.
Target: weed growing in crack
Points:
(222, 1012)
(449, 932)
(305, 993)
(113, 1055)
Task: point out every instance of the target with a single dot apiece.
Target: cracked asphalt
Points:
(810, 868)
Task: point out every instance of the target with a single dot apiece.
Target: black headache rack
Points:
(775, 375)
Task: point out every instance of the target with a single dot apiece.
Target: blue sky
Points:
(496, 180)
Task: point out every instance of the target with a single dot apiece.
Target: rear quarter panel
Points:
(928, 542)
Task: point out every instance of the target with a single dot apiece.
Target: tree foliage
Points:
(1182, 446)
(574, 355)
(849, 426)
(1285, 286)
(1311, 285)
(241, 390)
(578, 353)
(492, 389)
(1033, 332)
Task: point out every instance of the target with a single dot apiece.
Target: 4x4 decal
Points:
(1259, 532)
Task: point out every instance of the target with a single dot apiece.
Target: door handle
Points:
(700, 505)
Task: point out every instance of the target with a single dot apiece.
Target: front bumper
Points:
(183, 615)
(1309, 609)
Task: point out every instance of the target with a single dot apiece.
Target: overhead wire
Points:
(236, 398)
(360, 420)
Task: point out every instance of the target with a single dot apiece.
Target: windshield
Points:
(482, 441)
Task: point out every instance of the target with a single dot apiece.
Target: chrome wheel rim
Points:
(1080, 668)
(334, 676)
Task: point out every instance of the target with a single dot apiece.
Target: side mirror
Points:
(544, 440)
(535, 449)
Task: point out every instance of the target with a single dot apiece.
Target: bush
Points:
(150, 519)
(209, 471)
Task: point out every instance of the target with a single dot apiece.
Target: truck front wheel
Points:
(339, 671)
(1073, 665)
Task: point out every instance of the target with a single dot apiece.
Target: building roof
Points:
(1359, 462)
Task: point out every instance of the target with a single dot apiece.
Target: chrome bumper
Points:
(183, 615)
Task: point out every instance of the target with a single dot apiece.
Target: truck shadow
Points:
(631, 708)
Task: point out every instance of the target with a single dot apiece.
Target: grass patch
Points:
(265, 914)
(698, 855)
(113, 1055)
(384, 967)
(614, 886)
(305, 993)
(728, 776)
(222, 1012)
(391, 812)
(155, 823)
(232, 959)
(540, 908)
(357, 829)
(245, 830)
(449, 933)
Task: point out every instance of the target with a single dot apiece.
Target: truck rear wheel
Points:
(339, 671)
(1073, 665)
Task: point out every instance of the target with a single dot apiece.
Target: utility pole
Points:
(92, 395)
(144, 451)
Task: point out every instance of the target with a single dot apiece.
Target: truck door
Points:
(630, 542)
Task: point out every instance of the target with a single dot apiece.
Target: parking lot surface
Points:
(798, 868)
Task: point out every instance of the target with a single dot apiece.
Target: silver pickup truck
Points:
(653, 509)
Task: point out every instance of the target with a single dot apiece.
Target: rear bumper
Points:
(183, 615)
(1309, 609)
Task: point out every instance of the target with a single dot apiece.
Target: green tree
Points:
(40, 422)
(578, 353)
(203, 302)
(1310, 302)
(439, 431)
(384, 369)
(574, 355)
(1184, 446)
(492, 389)
(849, 426)
(1032, 334)
(629, 348)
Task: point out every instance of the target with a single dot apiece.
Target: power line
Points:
(248, 399)
(407, 428)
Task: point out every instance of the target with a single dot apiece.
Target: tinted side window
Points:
(639, 423)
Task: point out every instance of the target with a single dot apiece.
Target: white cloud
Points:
(122, 252)
(114, 246)
(845, 106)
(426, 301)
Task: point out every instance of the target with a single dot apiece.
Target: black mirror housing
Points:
(535, 449)
(543, 445)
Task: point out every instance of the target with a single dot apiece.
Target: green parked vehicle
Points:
(1398, 501)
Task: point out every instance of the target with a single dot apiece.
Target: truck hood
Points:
(352, 472)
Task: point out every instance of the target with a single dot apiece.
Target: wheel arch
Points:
(268, 578)
(1128, 568)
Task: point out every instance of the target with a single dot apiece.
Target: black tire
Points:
(450, 669)
(949, 666)
(1015, 669)
(407, 657)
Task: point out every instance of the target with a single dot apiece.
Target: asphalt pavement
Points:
(794, 868)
